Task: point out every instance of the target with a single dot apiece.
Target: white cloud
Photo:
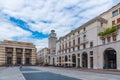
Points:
(9, 31)
(62, 15)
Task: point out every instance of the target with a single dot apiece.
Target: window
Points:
(66, 45)
(84, 36)
(114, 37)
(118, 20)
(78, 47)
(103, 40)
(115, 13)
(69, 44)
(91, 52)
(69, 50)
(73, 49)
(91, 44)
(113, 22)
(63, 46)
(79, 40)
(84, 46)
(73, 42)
(101, 24)
(108, 39)
(78, 32)
(84, 29)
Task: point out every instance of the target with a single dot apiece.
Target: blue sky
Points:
(32, 20)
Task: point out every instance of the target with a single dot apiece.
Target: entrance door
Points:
(84, 60)
(74, 60)
(91, 62)
(27, 60)
(9, 60)
(110, 59)
(19, 61)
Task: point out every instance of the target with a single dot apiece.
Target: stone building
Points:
(42, 56)
(16, 53)
(52, 48)
(95, 44)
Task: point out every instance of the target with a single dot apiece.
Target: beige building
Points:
(16, 53)
(42, 56)
(95, 44)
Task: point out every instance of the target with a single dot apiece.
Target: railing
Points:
(85, 41)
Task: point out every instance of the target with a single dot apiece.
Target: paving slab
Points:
(11, 73)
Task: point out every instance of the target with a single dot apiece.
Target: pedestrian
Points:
(21, 66)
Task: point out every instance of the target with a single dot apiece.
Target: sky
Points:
(32, 20)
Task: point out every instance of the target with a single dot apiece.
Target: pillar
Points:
(14, 56)
(70, 60)
(88, 60)
(76, 61)
(81, 60)
(23, 57)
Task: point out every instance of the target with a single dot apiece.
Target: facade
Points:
(16, 53)
(42, 56)
(95, 44)
(52, 48)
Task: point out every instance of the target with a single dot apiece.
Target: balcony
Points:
(109, 32)
(28, 51)
(85, 41)
(9, 50)
(9, 54)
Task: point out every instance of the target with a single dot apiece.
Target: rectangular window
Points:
(113, 22)
(115, 13)
(69, 44)
(84, 29)
(66, 45)
(118, 20)
(101, 24)
(103, 40)
(78, 40)
(78, 47)
(114, 37)
(84, 46)
(73, 49)
(108, 39)
(73, 42)
(91, 44)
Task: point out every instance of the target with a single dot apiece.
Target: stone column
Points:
(14, 56)
(33, 57)
(118, 59)
(88, 60)
(81, 60)
(71, 59)
(23, 56)
(76, 61)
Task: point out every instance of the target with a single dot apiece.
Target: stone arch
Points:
(84, 60)
(110, 58)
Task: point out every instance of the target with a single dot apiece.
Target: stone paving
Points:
(35, 74)
(79, 74)
(11, 73)
(54, 73)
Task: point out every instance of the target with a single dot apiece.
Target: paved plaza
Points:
(55, 73)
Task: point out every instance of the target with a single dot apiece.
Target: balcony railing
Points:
(109, 31)
(85, 41)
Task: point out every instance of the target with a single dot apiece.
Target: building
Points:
(16, 53)
(95, 44)
(52, 48)
(42, 56)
